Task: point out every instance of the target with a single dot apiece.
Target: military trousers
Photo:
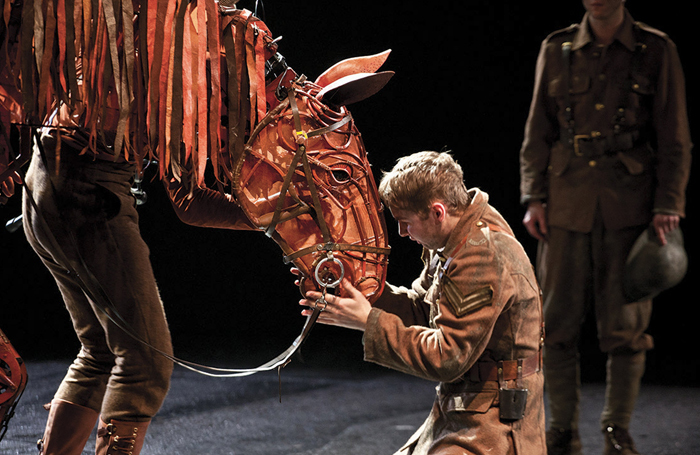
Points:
(85, 220)
(580, 273)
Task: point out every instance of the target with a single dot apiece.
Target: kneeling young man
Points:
(471, 321)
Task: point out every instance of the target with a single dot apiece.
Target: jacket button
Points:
(592, 163)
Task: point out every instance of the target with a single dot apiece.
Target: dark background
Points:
(464, 75)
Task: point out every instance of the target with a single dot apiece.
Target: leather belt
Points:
(505, 370)
(596, 145)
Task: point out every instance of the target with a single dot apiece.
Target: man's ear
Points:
(438, 211)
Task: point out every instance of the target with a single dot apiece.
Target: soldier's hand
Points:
(663, 224)
(350, 312)
(535, 220)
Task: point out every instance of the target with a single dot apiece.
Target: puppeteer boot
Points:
(119, 437)
(67, 428)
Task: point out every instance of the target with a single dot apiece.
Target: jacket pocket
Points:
(580, 84)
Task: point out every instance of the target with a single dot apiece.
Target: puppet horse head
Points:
(305, 180)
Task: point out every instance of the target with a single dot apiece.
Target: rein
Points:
(92, 288)
(169, 93)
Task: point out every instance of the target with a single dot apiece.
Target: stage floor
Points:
(330, 412)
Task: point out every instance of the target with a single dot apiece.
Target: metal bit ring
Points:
(332, 284)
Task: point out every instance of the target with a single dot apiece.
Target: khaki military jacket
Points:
(483, 306)
(626, 147)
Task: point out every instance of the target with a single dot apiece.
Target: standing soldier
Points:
(606, 153)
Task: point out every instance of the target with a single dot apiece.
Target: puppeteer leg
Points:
(92, 217)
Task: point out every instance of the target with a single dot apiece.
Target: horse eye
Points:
(340, 175)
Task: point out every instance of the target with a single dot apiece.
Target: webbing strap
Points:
(619, 117)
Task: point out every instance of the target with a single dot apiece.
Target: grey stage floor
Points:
(329, 412)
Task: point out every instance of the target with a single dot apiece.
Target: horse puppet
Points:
(200, 88)
(304, 178)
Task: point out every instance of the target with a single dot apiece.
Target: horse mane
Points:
(144, 73)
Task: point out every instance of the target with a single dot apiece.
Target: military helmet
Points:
(652, 268)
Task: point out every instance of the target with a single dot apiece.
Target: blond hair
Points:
(418, 180)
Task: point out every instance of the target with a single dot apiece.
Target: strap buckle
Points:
(578, 138)
(301, 137)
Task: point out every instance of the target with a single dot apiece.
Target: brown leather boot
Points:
(119, 437)
(67, 428)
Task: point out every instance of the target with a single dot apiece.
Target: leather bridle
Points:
(301, 137)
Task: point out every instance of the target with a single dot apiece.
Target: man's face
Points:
(603, 9)
(424, 230)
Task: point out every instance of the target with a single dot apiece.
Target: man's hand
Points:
(349, 312)
(663, 224)
(7, 186)
(535, 220)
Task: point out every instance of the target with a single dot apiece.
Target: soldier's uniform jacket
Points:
(625, 147)
(475, 304)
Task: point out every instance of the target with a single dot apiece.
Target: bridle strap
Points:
(283, 191)
(330, 246)
(332, 127)
(300, 155)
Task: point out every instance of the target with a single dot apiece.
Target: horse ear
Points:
(353, 88)
(355, 65)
